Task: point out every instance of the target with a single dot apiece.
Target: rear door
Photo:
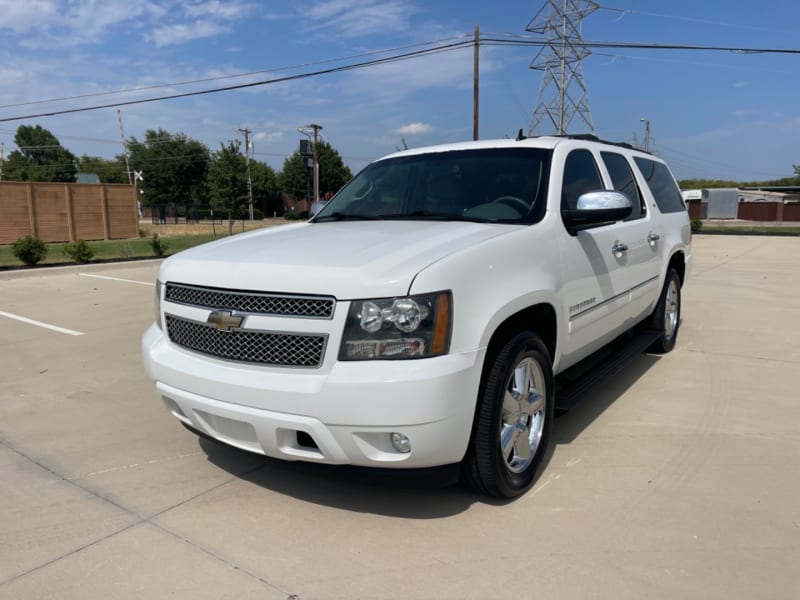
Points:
(639, 232)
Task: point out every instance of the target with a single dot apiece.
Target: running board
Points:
(579, 380)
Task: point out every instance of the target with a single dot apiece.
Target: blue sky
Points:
(712, 114)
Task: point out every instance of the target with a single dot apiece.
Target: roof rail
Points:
(590, 137)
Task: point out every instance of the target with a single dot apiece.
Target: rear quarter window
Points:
(662, 185)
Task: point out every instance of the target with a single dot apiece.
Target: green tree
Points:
(333, 173)
(227, 181)
(109, 171)
(265, 186)
(39, 157)
(174, 167)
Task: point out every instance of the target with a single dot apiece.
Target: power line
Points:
(341, 69)
(627, 11)
(520, 40)
(232, 76)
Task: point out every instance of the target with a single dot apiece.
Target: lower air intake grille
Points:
(279, 349)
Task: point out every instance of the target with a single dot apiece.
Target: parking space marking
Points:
(150, 283)
(40, 324)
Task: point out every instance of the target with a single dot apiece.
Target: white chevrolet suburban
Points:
(420, 317)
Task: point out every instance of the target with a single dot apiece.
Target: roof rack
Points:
(590, 137)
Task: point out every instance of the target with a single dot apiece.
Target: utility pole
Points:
(646, 133)
(131, 180)
(476, 84)
(315, 150)
(246, 132)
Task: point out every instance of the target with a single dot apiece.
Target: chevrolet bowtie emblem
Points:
(224, 320)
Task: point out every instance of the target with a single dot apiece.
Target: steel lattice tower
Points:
(562, 94)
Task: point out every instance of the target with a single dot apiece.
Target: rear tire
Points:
(513, 420)
(667, 315)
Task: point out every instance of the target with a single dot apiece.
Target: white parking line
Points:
(150, 283)
(40, 324)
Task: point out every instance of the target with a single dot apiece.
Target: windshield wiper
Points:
(415, 215)
(340, 216)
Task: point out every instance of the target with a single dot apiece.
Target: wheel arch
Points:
(678, 262)
(539, 318)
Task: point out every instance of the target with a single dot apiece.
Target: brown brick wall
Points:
(63, 212)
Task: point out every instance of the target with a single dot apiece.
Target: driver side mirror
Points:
(595, 208)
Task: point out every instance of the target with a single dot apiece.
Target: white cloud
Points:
(415, 129)
(356, 18)
(54, 23)
(26, 16)
(740, 84)
(179, 33)
(268, 136)
(229, 11)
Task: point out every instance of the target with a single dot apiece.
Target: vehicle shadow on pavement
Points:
(594, 402)
(415, 494)
(418, 494)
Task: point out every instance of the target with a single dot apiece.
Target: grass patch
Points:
(112, 249)
(746, 229)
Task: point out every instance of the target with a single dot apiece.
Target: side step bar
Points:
(579, 380)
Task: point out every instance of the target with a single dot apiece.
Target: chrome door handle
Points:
(618, 248)
(652, 238)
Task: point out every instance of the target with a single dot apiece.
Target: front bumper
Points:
(344, 413)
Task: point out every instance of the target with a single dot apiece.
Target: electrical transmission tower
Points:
(562, 94)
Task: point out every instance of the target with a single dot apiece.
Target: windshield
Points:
(504, 185)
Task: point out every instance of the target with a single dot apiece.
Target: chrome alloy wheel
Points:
(523, 415)
(671, 309)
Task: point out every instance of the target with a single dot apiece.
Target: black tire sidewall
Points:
(665, 343)
(494, 472)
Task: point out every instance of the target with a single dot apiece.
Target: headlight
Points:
(388, 328)
(159, 286)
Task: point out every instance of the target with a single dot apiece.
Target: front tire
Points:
(513, 419)
(667, 316)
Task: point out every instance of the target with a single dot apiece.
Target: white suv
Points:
(419, 318)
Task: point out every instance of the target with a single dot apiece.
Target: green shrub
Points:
(79, 251)
(159, 245)
(30, 249)
(697, 224)
(291, 216)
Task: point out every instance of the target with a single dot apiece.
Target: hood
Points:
(351, 259)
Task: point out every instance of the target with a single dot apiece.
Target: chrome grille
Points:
(262, 303)
(261, 347)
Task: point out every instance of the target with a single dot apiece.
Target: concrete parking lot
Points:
(680, 478)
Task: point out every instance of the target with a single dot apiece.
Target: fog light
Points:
(401, 443)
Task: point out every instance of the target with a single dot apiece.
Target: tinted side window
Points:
(580, 176)
(623, 181)
(662, 185)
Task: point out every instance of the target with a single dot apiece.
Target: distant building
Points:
(750, 204)
(87, 178)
